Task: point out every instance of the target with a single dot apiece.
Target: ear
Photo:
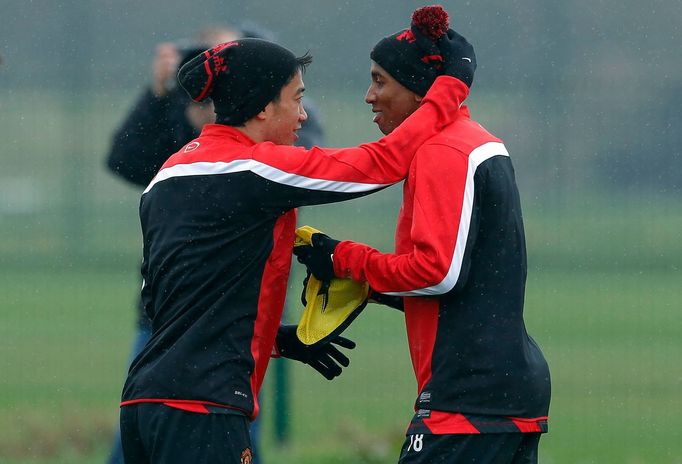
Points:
(262, 116)
(418, 98)
(266, 113)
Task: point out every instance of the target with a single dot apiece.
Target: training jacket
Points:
(157, 127)
(218, 224)
(460, 264)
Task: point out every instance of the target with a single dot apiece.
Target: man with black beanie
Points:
(458, 271)
(218, 223)
(162, 120)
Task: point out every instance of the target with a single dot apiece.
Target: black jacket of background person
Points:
(460, 266)
(218, 224)
(157, 127)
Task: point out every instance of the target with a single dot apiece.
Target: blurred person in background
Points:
(458, 271)
(164, 119)
(218, 225)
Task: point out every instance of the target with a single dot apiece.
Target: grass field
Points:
(612, 340)
(603, 301)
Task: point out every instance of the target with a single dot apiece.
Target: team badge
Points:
(191, 146)
(247, 457)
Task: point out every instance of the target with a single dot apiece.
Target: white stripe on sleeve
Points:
(476, 158)
(263, 170)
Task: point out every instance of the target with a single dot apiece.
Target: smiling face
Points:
(391, 102)
(285, 115)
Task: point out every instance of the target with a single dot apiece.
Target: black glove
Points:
(324, 291)
(305, 287)
(318, 257)
(325, 358)
(459, 59)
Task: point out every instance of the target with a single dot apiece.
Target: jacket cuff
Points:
(341, 270)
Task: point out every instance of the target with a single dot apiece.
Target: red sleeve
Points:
(368, 166)
(438, 235)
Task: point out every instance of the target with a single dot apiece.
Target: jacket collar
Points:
(221, 130)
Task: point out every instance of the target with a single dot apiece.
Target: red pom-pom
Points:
(432, 21)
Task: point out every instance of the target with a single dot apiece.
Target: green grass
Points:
(64, 338)
(613, 343)
(612, 340)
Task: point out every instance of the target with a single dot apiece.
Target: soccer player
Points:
(218, 224)
(162, 121)
(458, 271)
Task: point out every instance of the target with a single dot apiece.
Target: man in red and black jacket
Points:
(458, 271)
(218, 224)
(162, 121)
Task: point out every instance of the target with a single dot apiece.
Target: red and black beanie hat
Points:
(241, 77)
(412, 56)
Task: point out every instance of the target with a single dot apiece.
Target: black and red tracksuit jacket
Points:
(218, 224)
(460, 266)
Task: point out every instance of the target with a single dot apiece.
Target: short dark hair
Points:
(302, 63)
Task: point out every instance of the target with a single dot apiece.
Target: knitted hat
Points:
(412, 56)
(241, 77)
(189, 52)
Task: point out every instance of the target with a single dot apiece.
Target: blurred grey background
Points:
(586, 96)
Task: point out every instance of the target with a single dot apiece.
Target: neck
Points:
(253, 130)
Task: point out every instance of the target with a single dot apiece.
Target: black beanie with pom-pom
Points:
(412, 56)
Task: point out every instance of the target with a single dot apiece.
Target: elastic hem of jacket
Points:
(197, 406)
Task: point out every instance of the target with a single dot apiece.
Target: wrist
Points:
(339, 268)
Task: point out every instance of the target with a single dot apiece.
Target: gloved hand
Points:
(304, 301)
(318, 257)
(324, 290)
(325, 358)
(459, 59)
